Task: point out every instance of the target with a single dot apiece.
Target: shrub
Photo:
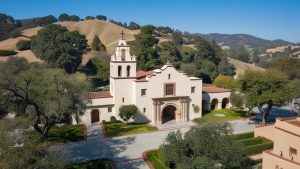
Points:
(259, 148)
(101, 163)
(196, 109)
(251, 141)
(7, 52)
(244, 136)
(24, 45)
(103, 121)
(113, 119)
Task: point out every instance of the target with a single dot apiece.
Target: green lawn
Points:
(120, 128)
(152, 156)
(228, 114)
(93, 164)
(66, 133)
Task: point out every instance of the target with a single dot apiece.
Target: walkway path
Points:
(126, 151)
(94, 131)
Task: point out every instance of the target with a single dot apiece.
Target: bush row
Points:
(251, 141)
(243, 136)
(259, 148)
(7, 52)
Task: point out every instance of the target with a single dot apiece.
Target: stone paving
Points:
(127, 151)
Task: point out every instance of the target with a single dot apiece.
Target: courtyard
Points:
(126, 151)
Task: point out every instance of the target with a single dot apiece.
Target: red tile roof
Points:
(213, 89)
(96, 95)
(142, 74)
(295, 123)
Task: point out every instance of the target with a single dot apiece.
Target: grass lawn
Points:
(93, 164)
(152, 156)
(120, 128)
(228, 114)
(66, 133)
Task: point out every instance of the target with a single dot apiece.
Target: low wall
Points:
(267, 131)
(271, 160)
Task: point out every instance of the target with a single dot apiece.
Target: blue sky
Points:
(269, 19)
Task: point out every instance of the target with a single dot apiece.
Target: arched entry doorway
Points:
(168, 113)
(95, 116)
(225, 102)
(204, 105)
(214, 104)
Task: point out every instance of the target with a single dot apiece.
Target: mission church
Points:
(161, 95)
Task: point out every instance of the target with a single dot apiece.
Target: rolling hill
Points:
(235, 40)
(241, 67)
(109, 34)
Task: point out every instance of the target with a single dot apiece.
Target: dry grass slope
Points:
(242, 66)
(109, 34)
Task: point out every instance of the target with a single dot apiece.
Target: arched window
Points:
(123, 51)
(119, 71)
(128, 71)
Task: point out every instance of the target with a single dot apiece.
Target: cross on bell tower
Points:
(122, 34)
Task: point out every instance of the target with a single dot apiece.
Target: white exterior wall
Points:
(196, 99)
(122, 89)
(220, 96)
(97, 104)
(155, 89)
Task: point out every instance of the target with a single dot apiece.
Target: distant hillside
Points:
(109, 34)
(242, 66)
(235, 40)
(284, 51)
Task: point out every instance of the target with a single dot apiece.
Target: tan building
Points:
(286, 137)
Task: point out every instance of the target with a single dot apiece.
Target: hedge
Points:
(251, 141)
(259, 148)
(243, 136)
(7, 52)
(103, 163)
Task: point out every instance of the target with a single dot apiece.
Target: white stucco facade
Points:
(161, 95)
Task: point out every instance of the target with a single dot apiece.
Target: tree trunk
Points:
(265, 111)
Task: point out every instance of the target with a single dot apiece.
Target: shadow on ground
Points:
(276, 112)
(96, 149)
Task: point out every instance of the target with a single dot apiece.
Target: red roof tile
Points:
(142, 74)
(96, 95)
(295, 123)
(213, 89)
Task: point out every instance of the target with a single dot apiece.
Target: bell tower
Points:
(122, 68)
(122, 63)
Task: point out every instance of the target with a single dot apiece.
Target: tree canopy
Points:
(144, 47)
(128, 111)
(265, 88)
(99, 67)
(101, 17)
(65, 17)
(226, 82)
(134, 26)
(97, 45)
(45, 93)
(89, 18)
(20, 147)
(197, 150)
(290, 66)
(59, 47)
